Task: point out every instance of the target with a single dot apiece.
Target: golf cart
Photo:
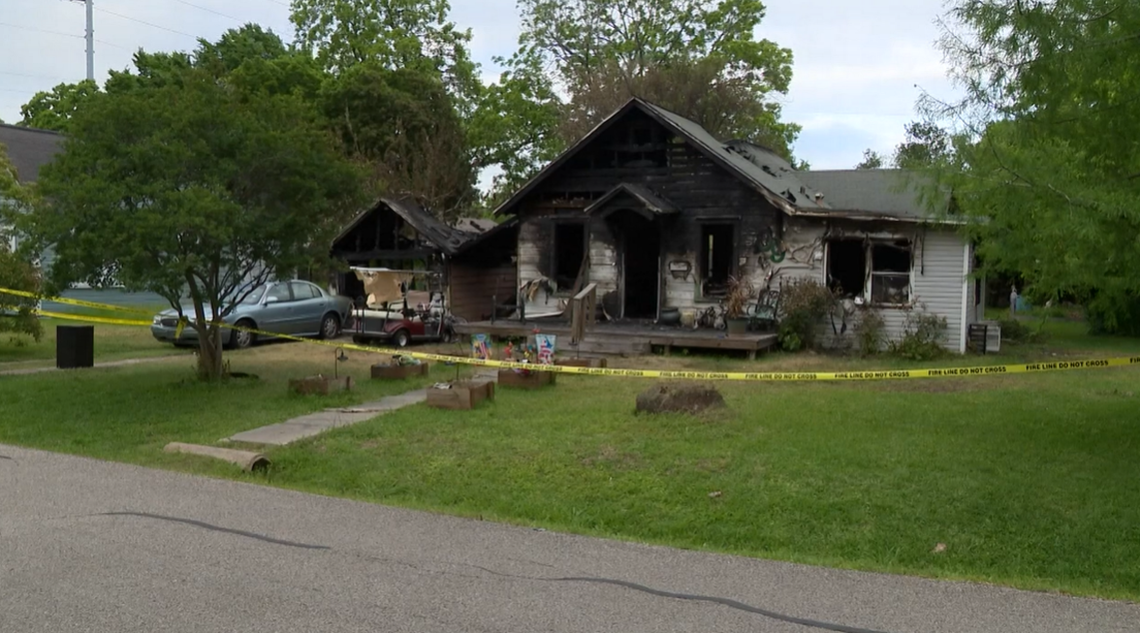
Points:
(390, 313)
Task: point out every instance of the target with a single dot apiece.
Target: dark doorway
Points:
(640, 243)
(569, 252)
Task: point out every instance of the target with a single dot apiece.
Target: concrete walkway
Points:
(290, 431)
(309, 425)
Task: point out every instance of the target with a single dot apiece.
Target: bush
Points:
(1110, 314)
(803, 305)
(923, 336)
(1015, 332)
(870, 332)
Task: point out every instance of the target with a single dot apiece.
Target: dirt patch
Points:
(679, 398)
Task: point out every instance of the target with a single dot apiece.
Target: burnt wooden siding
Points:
(474, 287)
(638, 150)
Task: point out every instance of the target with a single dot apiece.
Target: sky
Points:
(859, 66)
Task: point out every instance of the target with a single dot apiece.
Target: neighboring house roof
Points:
(29, 149)
(891, 192)
(651, 202)
(788, 189)
(447, 239)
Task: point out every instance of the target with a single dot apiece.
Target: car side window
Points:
(302, 291)
(280, 292)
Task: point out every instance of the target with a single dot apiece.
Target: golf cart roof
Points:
(365, 269)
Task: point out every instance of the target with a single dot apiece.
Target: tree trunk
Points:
(209, 353)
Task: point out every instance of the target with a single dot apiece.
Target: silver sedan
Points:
(297, 308)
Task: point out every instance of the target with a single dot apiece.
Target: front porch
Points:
(624, 338)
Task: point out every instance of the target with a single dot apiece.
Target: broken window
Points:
(569, 252)
(851, 264)
(716, 258)
(890, 274)
(847, 267)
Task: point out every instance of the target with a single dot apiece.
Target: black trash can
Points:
(74, 346)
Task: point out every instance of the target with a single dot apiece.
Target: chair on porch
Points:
(763, 314)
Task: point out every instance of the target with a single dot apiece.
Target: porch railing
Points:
(583, 312)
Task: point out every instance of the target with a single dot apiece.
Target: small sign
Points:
(481, 346)
(546, 346)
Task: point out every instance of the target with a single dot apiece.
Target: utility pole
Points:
(90, 38)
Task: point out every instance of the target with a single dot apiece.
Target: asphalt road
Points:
(94, 546)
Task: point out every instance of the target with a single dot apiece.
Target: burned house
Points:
(660, 215)
(473, 258)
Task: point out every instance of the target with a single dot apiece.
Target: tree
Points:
(871, 160)
(17, 313)
(404, 124)
(1045, 157)
(699, 58)
(393, 34)
(52, 110)
(926, 143)
(193, 186)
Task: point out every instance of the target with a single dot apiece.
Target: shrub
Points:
(923, 336)
(1015, 332)
(803, 305)
(870, 332)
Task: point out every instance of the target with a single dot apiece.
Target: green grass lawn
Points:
(129, 413)
(112, 342)
(1030, 480)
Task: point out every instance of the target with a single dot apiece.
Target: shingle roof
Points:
(29, 149)
(795, 192)
(890, 192)
(442, 236)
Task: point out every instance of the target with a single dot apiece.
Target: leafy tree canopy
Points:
(1044, 154)
(392, 34)
(192, 186)
(16, 270)
(52, 110)
(871, 160)
(699, 58)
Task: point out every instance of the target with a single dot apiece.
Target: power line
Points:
(2, 72)
(123, 48)
(150, 24)
(32, 28)
(208, 10)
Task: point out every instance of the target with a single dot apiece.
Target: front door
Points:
(639, 244)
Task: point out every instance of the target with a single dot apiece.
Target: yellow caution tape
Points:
(946, 372)
(73, 302)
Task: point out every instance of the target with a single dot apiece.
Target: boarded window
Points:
(569, 252)
(716, 258)
(847, 267)
(890, 274)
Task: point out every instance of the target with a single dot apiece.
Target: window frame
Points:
(870, 275)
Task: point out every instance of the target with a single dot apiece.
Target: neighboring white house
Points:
(29, 149)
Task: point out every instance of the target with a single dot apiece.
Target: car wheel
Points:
(330, 327)
(242, 339)
(401, 338)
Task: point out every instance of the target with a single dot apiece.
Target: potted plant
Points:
(740, 293)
